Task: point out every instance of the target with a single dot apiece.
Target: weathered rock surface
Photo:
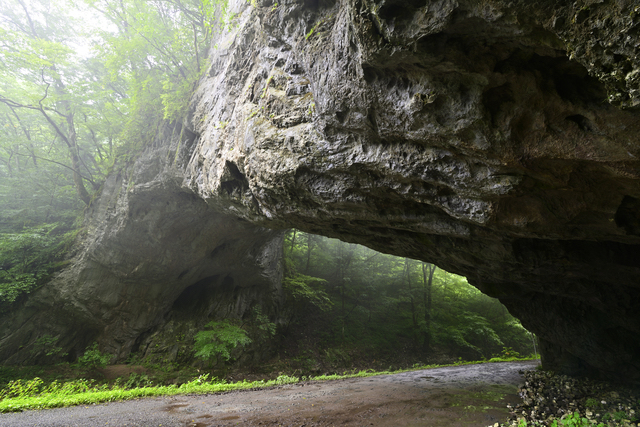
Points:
(499, 140)
(156, 264)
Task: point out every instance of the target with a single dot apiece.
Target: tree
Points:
(77, 101)
(26, 260)
(427, 300)
(157, 52)
(71, 95)
(51, 96)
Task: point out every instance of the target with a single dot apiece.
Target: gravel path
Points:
(470, 395)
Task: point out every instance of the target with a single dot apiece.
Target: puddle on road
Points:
(173, 406)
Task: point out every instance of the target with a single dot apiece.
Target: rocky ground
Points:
(547, 397)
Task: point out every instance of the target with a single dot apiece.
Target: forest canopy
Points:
(82, 83)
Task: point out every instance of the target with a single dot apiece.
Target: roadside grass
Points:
(19, 395)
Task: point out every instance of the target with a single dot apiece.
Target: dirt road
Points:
(471, 395)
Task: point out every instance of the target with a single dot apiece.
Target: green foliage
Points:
(219, 340)
(74, 99)
(21, 388)
(134, 381)
(93, 358)
(216, 14)
(347, 297)
(57, 121)
(615, 416)
(286, 379)
(262, 326)
(508, 352)
(47, 344)
(20, 395)
(574, 420)
(304, 289)
(337, 357)
(157, 54)
(591, 403)
(569, 420)
(27, 258)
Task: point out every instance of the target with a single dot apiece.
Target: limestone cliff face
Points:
(499, 140)
(155, 261)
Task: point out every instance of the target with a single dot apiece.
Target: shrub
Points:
(219, 340)
(93, 359)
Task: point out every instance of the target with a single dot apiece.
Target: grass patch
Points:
(80, 393)
(19, 395)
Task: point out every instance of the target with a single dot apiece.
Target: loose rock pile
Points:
(548, 397)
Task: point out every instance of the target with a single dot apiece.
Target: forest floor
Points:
(467, 395)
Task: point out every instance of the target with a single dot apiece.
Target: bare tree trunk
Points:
(427, 279)
(309, 249)
(407, 273)
(344, 256)
(293, 241)
(75, 160)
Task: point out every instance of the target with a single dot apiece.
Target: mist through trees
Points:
(348, 296)
(84, 86)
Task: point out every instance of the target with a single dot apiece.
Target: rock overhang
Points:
(491, 138)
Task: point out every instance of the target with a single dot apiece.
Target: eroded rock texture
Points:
(499, 140)
(156, 264)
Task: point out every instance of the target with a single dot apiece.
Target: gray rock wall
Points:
(152, 251)
(496, 139)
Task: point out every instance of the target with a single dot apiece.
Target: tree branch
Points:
(31, 26)
(31, 154)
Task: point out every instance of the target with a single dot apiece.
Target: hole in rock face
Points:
(196, 294)
(582, 15)
(341, 116)
(369, 74)
(195, 299)
(238, 181)
(396, 12)
(618, 58)
(494, 100)
(230, 186)
(579, 89)
(235, 172)
(582, 122)
(628, 215)
(569, 79)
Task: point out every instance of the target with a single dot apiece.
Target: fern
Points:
(219, 340)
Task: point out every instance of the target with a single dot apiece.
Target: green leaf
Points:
(219, 340)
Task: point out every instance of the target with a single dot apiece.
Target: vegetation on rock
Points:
(558, 400)
(219, 339)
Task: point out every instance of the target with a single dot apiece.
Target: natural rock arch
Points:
(496, 139)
